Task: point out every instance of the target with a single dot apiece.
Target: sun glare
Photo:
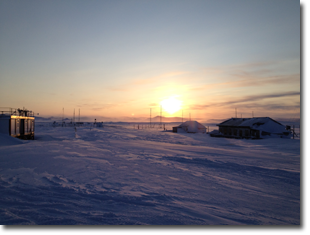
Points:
(171, 105)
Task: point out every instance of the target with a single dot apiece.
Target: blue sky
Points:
(119, 58)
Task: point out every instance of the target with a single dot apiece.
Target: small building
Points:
(17, 123)
(255, 128)
(190, 127)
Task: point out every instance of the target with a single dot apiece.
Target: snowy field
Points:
(124, 176)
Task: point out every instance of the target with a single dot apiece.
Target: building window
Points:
(223, 130)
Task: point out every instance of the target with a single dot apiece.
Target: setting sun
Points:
(171, 105)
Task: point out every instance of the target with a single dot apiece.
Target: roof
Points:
(192, 126)
(260, 123)
(192, 123)
(233, 122)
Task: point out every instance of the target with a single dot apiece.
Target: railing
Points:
(16, 112)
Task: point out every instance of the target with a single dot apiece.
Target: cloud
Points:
(247, 99)
(271, 107)
(155, 79)
(146, 81)
(250, 75)
(95, 106)
(253, 82)
(261, 97)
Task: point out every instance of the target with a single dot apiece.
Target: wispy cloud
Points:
(95, 106)
(248, 99)
(157, 78)
(146, 81)
(249, 75)
(252, 82)
(271, 107)
(264, 96)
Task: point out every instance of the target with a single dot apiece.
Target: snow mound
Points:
(6, 140)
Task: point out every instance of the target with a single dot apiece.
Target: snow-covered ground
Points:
(121, 175)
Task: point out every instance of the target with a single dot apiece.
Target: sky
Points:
(124, 59)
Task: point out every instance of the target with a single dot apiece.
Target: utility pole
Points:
(161, 110)
(150, 117)
(79, 115)
(63, 116)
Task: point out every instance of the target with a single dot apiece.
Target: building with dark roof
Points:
(259, 127)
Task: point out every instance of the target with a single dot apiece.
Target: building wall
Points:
(194, 130)
(4, 126)
(238, 132)
(17, 126)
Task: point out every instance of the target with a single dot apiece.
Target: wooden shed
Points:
(17, 123)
